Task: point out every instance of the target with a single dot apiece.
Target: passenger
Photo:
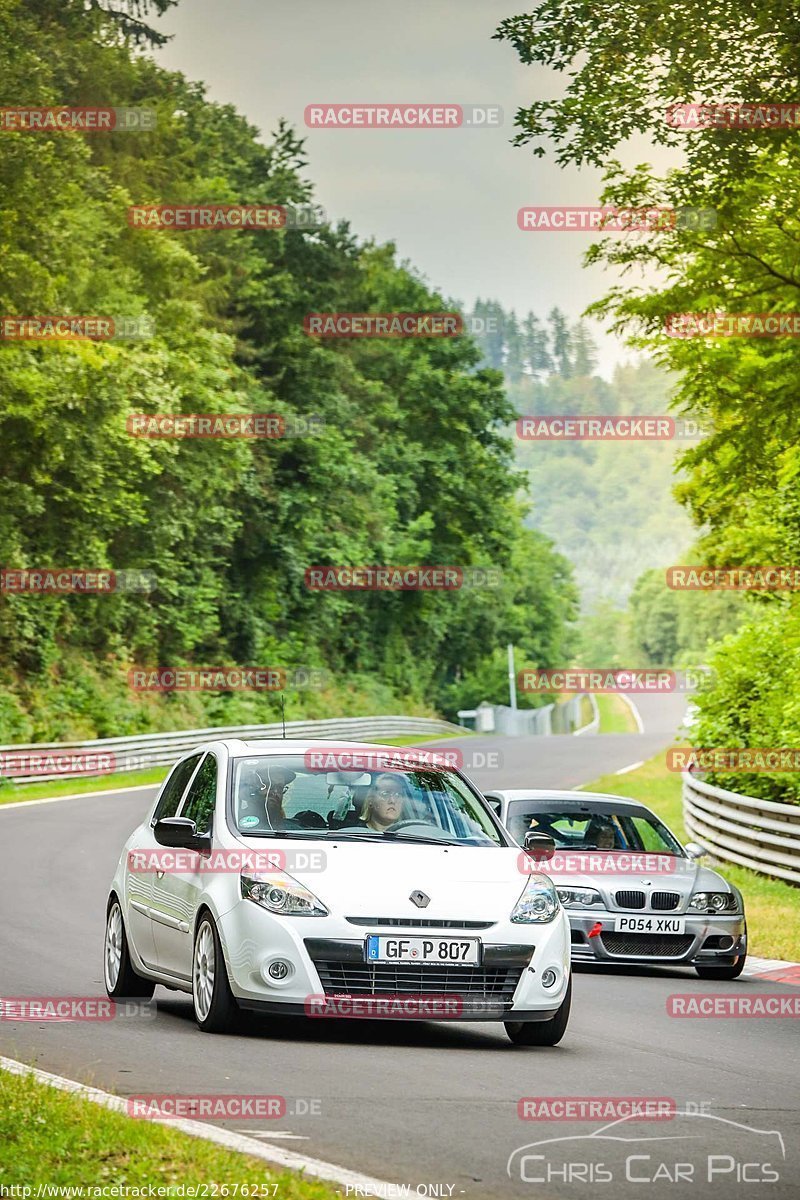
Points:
(261, 794)
(385, 803)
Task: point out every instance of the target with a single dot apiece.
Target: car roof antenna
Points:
(283, 715)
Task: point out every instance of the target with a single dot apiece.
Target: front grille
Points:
(655, 945)
(630, 899)
(393, 979)
(664, 901)
(417, 922)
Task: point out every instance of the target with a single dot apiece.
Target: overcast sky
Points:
(447, 198)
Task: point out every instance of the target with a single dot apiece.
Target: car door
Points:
(139, 883)
(176, 894)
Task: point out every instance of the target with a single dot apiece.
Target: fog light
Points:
(726, 943)
(549, 977)
(278, 969)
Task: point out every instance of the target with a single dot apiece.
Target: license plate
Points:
(464, 952)
(649, 924)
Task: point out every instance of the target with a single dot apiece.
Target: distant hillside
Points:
(608, 506)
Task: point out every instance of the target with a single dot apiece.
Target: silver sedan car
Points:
(632, 892)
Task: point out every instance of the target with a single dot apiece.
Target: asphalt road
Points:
(419, 1104)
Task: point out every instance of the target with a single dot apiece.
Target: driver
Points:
(602, 835)
(261, 794)
(385, 803)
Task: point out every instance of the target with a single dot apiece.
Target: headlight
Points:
(538, 903)
(280, 894)
(713, 902)
(578, 897)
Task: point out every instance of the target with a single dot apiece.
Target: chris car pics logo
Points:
(697, 1149)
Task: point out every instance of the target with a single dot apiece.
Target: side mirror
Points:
(695, 850)
(539, 845)
(494, 805)
(180, 834)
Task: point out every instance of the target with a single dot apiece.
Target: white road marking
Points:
(270, 1133)
(143, 787)
(632, 767)
(286, 1159)
(637, 716)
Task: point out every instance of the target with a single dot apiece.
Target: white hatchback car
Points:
(336, 879)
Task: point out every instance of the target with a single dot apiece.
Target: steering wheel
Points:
(412, 821)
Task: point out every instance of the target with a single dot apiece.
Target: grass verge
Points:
(51, 1137)
(773, 907)
(615, 714)
(12, 793)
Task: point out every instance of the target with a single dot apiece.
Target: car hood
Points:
(376, 880)
(687, 877)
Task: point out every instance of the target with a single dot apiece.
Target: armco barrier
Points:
(760, 834)
(159, 749)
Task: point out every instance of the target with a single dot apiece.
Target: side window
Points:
(202, 796)
(175, 787)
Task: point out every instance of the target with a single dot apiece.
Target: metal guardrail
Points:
(763, 835)
(106, 755)
(563, 716)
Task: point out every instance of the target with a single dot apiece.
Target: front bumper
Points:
(328, 974)
(706, 940)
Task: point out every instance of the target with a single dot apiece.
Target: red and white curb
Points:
(773, 969)
(286, 1160)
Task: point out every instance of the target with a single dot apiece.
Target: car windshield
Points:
(581, 829)
(290, 796)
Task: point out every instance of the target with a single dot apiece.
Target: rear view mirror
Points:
(539, 845)
(348, 778)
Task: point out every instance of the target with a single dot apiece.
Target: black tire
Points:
(215, 1008)
(731, 971)
(542, 1033)
(122, 982)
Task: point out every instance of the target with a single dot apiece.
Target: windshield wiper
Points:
(280, 833)
(355, 837)
(428, 841)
